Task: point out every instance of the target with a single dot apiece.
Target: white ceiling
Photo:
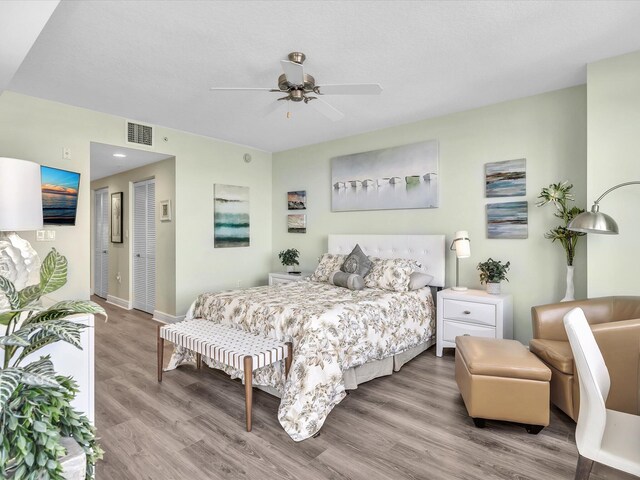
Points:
(104, 164)
(20, 24)
(154, 61)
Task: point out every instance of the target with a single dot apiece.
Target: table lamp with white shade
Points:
(20, 210)
(462, 246)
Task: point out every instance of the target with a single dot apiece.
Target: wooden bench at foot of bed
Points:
(228, 345)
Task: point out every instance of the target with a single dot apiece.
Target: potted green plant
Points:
(289, 258)
(492, 272)
(559, 194)
(35, 403)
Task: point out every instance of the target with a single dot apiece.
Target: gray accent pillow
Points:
(357, 262)
(419, 279)
(346, 280)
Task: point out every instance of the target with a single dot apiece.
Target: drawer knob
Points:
(466, 312)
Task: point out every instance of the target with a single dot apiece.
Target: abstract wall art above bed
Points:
(506, 179)
(231, 225)
(508, 220)
(389, 179)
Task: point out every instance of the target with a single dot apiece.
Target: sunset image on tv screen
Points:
(59, 196)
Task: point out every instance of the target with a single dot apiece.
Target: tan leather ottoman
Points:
(502, 380)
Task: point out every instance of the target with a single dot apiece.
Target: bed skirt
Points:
(370, 370)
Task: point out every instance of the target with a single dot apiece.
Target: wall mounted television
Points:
(59, 196)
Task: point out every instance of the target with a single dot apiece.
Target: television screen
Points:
(59, 196)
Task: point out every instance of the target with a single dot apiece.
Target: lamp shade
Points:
(20, 195)
(461, 244)
(594, 222)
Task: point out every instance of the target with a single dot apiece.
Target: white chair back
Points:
(594, 383)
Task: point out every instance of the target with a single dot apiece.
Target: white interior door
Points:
(101, 243)
(144, 245)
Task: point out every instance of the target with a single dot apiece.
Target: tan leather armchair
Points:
(615, 322)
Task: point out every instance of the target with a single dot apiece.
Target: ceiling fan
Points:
(301, 87)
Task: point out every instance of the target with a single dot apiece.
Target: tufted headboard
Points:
(427, 249)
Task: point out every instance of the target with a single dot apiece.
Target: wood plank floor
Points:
(411, 425)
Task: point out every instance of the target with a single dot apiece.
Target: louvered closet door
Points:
(144, 246)
(101, 243)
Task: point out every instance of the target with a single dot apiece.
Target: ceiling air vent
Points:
(139, 134)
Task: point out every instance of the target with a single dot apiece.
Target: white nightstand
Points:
(276, 278)
(472, 312)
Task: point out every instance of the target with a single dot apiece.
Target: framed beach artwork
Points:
(389, 179)
(116, 217)
(59, 196)
(297, 200)
(297, 223)
(231, 225)
(508, 220)
(506, 179)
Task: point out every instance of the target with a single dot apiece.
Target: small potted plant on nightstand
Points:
(289, 258)
(492, 272)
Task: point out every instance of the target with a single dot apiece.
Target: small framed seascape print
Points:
(297, 200)
(508, 220)
(506, 179)
(297, 223)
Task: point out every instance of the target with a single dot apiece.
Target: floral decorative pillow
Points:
(329, 263)
(391, 273)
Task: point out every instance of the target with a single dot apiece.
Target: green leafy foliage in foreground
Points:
(35, 405)
(32, 425)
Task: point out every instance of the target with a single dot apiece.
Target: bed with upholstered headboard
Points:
(342, 336)
(429, 251)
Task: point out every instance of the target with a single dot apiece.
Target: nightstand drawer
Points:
(455, 329)
(472, 312)
(278, 281)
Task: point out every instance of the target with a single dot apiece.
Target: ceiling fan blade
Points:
(327, 110)
(238, 88)
(272, 108)
(350, 89)
(293, 71)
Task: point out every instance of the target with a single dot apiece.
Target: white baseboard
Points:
(119, 302)
(162, 317)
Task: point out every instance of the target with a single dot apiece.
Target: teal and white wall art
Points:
(506, 179)
(231, 216)
(508, 220)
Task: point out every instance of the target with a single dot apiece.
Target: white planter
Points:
(493, 288)
(570, 293)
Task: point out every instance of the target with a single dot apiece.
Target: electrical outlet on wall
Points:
(66, 153)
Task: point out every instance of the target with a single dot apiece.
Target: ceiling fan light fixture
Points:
(297, 57)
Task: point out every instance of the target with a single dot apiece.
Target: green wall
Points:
(548, 130)
(37, 130)
(613, 158)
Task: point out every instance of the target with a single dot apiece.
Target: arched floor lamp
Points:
(595, 221)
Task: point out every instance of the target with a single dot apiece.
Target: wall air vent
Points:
(139, 134)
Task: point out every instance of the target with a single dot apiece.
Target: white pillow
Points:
(419, 280)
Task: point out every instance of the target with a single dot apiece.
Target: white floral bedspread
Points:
(332, 330)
